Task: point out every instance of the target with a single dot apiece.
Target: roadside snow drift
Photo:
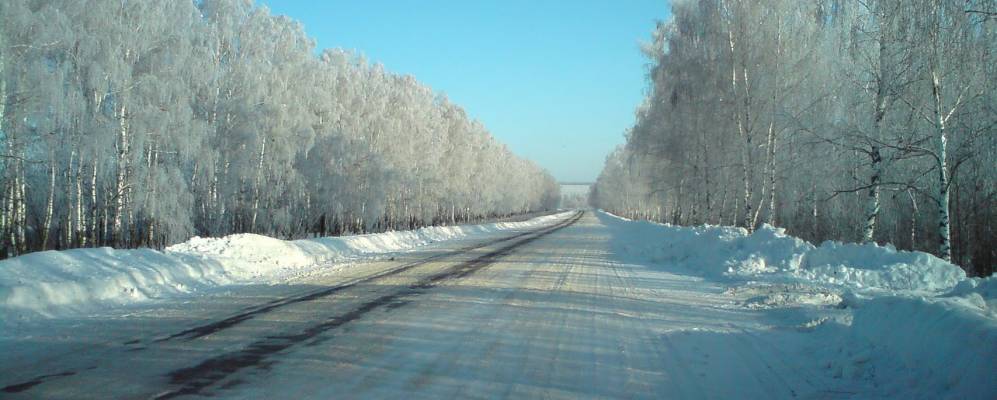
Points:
(915, 325)
(53, 283)
(917, 347)
(730, 253)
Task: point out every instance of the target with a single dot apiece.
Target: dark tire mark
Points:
(193, 380)
(20, 387)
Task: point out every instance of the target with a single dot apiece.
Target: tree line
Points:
(142, 123)
(855, 120)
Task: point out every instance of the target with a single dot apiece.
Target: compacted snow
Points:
(603, 308)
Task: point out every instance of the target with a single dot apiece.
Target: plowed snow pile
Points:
(768, 253)
(905, 323)
(72, 281)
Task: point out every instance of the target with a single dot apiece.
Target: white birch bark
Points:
(121, 181)
(49, 206)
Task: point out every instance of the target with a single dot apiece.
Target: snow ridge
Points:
(898, 324)
(730, 253)
(67, 282)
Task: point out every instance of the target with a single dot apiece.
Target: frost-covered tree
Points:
(134, 123)
(850, 120)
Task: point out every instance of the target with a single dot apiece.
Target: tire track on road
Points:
(216, 326)
(193, 380)
(251, 312)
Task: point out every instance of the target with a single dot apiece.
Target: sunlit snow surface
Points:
(595, 310)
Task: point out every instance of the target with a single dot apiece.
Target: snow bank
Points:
(52, 283)
(874, 266)
(918, 347)
(914, 325)
(714, 251)
(986, 288)
(768, 253)
(249, 256)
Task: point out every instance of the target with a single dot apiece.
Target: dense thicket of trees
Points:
(856, 120)
(134, 122)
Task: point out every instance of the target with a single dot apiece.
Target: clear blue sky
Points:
(558, 81)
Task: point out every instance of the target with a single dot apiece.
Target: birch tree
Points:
(134, 123)
(856, 114)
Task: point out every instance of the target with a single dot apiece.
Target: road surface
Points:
(552, 313)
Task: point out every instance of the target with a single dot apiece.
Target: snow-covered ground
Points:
(605, 308)
(74, 282)
(909, 324)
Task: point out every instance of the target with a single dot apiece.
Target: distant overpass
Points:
(575, 194)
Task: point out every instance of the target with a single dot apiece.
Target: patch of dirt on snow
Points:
(760, 295)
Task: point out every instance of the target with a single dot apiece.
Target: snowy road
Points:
(552, 313)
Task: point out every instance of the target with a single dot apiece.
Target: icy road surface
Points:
(550, 313)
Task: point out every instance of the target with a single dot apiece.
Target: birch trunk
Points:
(872, 203)
(772, 181)
(80, 228)
(742, 119)
(944, 227)
(122, 177)
(153, 162)
(913, 219)
(256, 189)
(5, 217)
(49, 206)
(772, 139)
(762, 195)
(70, 192)
(941, 117)
(879, 114)
(10, 223)
(708, 213)
(22, 216)
(92, 230)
